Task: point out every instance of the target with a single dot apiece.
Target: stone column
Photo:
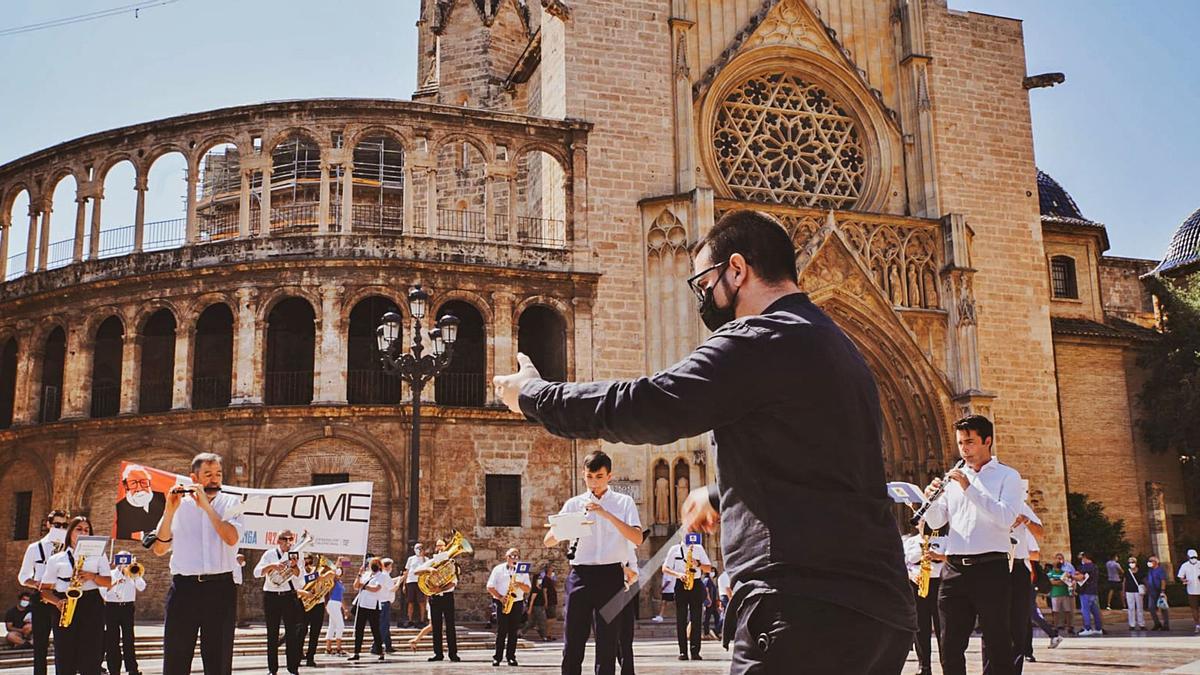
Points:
(512, 210)
(323, 203)
(577, 196)
(181, 393)
(131, 369)
(264, 221)
(685, 159)
(504, 348)
(97, 200)
(139, 217)
(431, 202)
(77, 372)
(489, 208)
(331, 357)
(23, 408)
(80, 227)
(247, 381)
(44, 238)
(583, 339)
(347, 196)
(244, 205)
(31, 242)
(5, 226)
(190, 226)
(409, 214)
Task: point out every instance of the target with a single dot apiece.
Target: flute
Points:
(919, 514)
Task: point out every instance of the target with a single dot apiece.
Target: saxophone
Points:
(926, 568)
(74, 592)
(689, 579)
(511, 597)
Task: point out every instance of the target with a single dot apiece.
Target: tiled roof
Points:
(1113, 328)
(1184, 250)
(1054, 200)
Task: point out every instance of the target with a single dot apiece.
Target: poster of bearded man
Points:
(139, 504)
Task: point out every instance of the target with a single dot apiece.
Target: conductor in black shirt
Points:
(796, 422)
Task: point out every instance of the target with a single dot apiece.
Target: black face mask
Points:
(714, 317)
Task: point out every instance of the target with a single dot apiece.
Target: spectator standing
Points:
(1133, 582)
(1115, 583)
(712, 605)
(1189, 573)
(1088, 580)
(1062, 605)
(1156, 587)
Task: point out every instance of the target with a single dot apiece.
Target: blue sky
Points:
(1121, 134)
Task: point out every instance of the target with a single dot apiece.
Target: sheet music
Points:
(568, 526)
(89, 546)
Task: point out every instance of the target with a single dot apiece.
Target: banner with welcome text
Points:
(336, 516)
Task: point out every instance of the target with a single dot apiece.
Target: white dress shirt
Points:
(237, 572)
(123, 588)
(606, 545)
(196, 548)
(37, 554)
(389, 589)
(1189, 573)
(371, 599)
(980, 516)
(1022, 535)
(912, 556)
(410, 567)
(723, 584)
(274, 556)
(61, 566)
(677, 559)
(501, 574)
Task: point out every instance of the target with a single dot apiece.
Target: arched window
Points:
(106, 368)
(462, 383)
(8, 382)
(378, 185)
(1063, 282)
(542, 336)
(289, 357)
(53, 358)
(158, 363)
(366, 381)
(212, 367)
(295, 184)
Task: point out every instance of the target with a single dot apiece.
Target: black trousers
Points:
(441, 613)
(625, 637)
(313, 620)
(79, 648)
(204, 607)
(506, 629)
(118, 637)
(689, 604)
(284, 607)
(588, 589)
(927, 619)
(1019, 628)
(784, 634)
(362, 618)
(968, 592)
(45, 617)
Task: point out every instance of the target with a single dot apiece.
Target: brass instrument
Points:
(315, 591)
(442, 571)
(926, 568)
(135, 569)
(689, 579)
(74, 592)
(281, 577)
(511, 597)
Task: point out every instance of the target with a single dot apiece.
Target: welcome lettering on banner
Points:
(336, 516)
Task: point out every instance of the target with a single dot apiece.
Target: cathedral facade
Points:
(544, 184)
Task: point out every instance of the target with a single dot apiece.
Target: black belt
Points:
(280, 592)
(977, 559)
(595, 567)
(204, 578)
(120, 604)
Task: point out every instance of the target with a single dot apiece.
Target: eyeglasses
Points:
(283, 538)
(693, 281)
(143, 483)
(60, 526)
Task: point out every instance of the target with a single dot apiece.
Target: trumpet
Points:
(135, 569)
(919, 514)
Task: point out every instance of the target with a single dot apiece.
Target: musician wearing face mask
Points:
(283, 573)
(37, 554)
(79, 647)
(795, 418)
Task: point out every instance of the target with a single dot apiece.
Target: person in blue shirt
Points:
(337, 613)
(1156, 586)
(1088, 577)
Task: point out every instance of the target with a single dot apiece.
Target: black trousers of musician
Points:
(284, 606)
(118, 637)
(928, 623)
(784, 634)
(967, 592)
(79, 648)
(203, 605)
(313, 620)
(45, 616)
(506, 630)
(625, 637)
(689, 604)
(441, 613)
(364, 617)
(588, 589)
(1019, 627)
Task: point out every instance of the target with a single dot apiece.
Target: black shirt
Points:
(796, 421)
(15, 618)
(1132, 579)
(535, 586)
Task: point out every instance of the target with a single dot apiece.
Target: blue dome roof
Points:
(1185, 246)
(1054, 200)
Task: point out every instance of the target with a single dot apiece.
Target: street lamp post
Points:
(416, 368)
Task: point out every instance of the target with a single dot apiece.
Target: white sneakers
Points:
(1089, 632)
(1055, 641)
(658, 619)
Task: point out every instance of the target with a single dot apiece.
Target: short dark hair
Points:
(204, 458)
(56, 513)
(760, 239)
(596, 460)
(977, 423)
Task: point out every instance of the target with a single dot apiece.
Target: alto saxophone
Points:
(74, 592)
(689, 579)
(511, 597)
(926, 568)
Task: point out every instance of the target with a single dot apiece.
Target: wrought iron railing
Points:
(288, 388)
(16, 267)
(164, 234)
(297, 216)
(541, 231)
(155, 397)
(462, 389)
(378, 218)
(106, 399)
(372, 386)
(51, 408)
(217, 226)
(211, 392)
(462, 224)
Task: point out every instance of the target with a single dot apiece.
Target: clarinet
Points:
(919, 514)
(571, 551)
